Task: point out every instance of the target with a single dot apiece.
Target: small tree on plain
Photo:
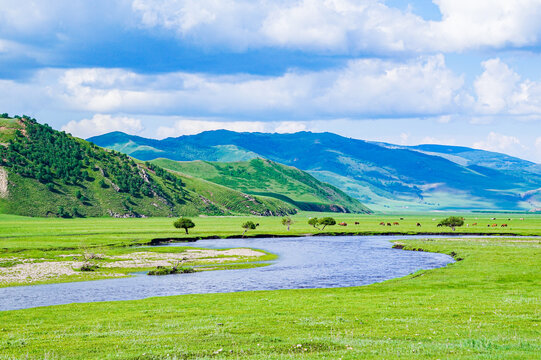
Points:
(452, 222)
(327, 221)
(287, 221)
(314, 222)
(249, 225)
(184, 223)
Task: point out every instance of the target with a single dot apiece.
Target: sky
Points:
(456, 72)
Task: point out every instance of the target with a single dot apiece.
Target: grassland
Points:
(486, 306)
(19, 233)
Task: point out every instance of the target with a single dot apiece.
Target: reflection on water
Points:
(307, 262)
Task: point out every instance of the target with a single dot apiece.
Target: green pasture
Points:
(487, 306)
(24, 233)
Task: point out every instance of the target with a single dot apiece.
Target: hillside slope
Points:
(382, 176)
(268, 178)
(44, 172)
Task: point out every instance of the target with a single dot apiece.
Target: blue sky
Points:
(458, 72)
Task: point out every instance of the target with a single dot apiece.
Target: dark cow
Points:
(504, 225)
(356, 223)
(418, 224)
(389, 224)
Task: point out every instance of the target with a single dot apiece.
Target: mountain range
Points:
(44, 172)
(380, 175)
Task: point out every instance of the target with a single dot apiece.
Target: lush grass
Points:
(486, 306)
(23, 233)
(268, 178)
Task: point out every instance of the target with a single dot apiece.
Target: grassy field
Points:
(486, 306)
(24, 233)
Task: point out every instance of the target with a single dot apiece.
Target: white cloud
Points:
(500, 143)
(345, 26)
(101, 124)
(196, 126)
(361, 88)
(500, 90)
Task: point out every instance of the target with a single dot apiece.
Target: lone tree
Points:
(184, 223)
(249, 225)
(286, 220)
(452, 222)
(326, 221)
(314, 222)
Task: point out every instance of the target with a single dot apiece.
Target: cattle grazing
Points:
(343, 224)
(418, 224)
(382, 223)
(504, 225)
(395, 223)
(401, 218)
(388, 224)
(356, 223)
(494, 225)
(492, 218)
(522, 219)
(474, 224)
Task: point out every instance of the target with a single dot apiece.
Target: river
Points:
(304, 262)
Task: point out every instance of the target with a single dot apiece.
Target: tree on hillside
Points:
(327, 221)
(286, 220)
(314, 222)
(452, 222)
(184, 223)
(4, 116)
(249, 225)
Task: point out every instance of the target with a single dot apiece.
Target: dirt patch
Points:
(33, 272)
(37, 270)
(3, 183)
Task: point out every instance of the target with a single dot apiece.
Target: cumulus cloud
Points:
(500, 90)
(345, 26)
(101, 124)
(363, 87)
(500, 143)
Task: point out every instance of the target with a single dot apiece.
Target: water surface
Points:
(306, 262)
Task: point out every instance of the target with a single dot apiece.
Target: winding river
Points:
(305, 262)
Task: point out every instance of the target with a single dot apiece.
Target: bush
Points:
(452, 222)
(165, 270)
(89, 267)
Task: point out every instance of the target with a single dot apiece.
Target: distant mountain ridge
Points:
(382, 176)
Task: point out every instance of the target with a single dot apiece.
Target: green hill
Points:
(268, 178)
(44, 172)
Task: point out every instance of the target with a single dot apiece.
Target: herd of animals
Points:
(396, 223)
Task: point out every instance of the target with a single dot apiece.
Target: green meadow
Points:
(485, 306)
